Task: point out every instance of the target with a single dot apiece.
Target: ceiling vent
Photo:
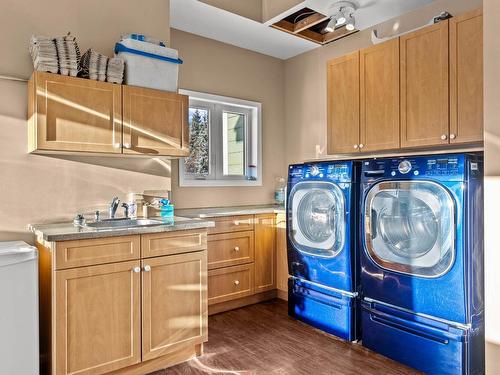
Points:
(308, 24)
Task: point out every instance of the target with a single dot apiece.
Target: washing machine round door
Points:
(317, 218)
(409, 227)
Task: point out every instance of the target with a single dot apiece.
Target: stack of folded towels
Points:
(97, 66)
(44, 54)
(69, 55)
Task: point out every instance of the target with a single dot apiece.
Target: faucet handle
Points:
(97, 216)
(125, 206)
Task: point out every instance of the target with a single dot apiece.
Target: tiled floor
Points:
(262, 339)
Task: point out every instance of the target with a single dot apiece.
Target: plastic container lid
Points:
(12, 252)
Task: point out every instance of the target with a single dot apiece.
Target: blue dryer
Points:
(323, 261)
(422, 261)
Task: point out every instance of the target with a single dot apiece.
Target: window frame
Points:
(253, 140)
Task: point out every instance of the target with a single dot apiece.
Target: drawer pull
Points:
(147, 268)
(236, 223)
(136, 269)
(236, 282)
(236, 248)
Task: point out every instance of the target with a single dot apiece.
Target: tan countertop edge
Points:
(213, 212)
(67, 231)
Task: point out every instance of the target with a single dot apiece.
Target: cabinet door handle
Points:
(236, 248)
(236, 223)
(147, 268)
(355, 147)
(136, 269)
(453, 136)
(361, 145)
(127, 145)
(236, 282)
(444, 137)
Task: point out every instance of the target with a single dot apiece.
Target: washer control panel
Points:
(340, 172)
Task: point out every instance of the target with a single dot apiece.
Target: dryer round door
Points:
(409, 227)
(317, 213)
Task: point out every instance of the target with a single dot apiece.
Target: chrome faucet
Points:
(113, 206)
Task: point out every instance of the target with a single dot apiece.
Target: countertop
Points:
(67, 231)
(202, 213)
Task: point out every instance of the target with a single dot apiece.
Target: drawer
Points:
(232, 224)
(79, 253)
(168, 243)
(225, 284)
(230, 249)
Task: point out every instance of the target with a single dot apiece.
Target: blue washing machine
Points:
(323, 261)
(422, 261)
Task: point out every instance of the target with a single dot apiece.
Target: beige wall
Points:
(492, 178)
(305, 79)
(221, 69)
(41, 188)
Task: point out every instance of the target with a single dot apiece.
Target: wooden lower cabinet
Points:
(228, 283)
(123, 317)
(265, 252)
(97, 318)
(174, 303)
(241, 261)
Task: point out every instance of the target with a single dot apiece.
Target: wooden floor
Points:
(262, 339)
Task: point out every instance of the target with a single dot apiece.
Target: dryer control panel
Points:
(326, 171)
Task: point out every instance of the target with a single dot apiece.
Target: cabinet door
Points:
(424, 86)
(343, 104)
(466, 77)
(265, 252)
(97, 318)
(379, 97)
(155, 122)
(174, 303)
(75, 114)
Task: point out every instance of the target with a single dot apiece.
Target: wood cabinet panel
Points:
(169, 243)
(78, 253)
(230, 249)
(97, 318)
(379, 97)
(424, 86)
(265, 252)
(232, 224)
(343, 104)
(155, 122)
(74, 114)
(281, 253)
(225, 284)
(466, 77)
(174, 304)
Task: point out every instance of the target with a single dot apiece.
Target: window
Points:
(224, 138)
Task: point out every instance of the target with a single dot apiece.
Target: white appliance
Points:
(19, 353)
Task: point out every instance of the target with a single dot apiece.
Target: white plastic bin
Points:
(19, 352)
(149, 65)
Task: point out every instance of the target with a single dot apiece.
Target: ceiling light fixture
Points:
(342, 15)
(350, 23)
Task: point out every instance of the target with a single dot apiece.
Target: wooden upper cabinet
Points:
(265, 252)
(97, 318)
(424, 86)
(379, 97)
(155, 122)
(74, 114)
(343, 104)
(174, 303)
(466, 77)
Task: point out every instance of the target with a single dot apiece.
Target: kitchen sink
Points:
(124, 223)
